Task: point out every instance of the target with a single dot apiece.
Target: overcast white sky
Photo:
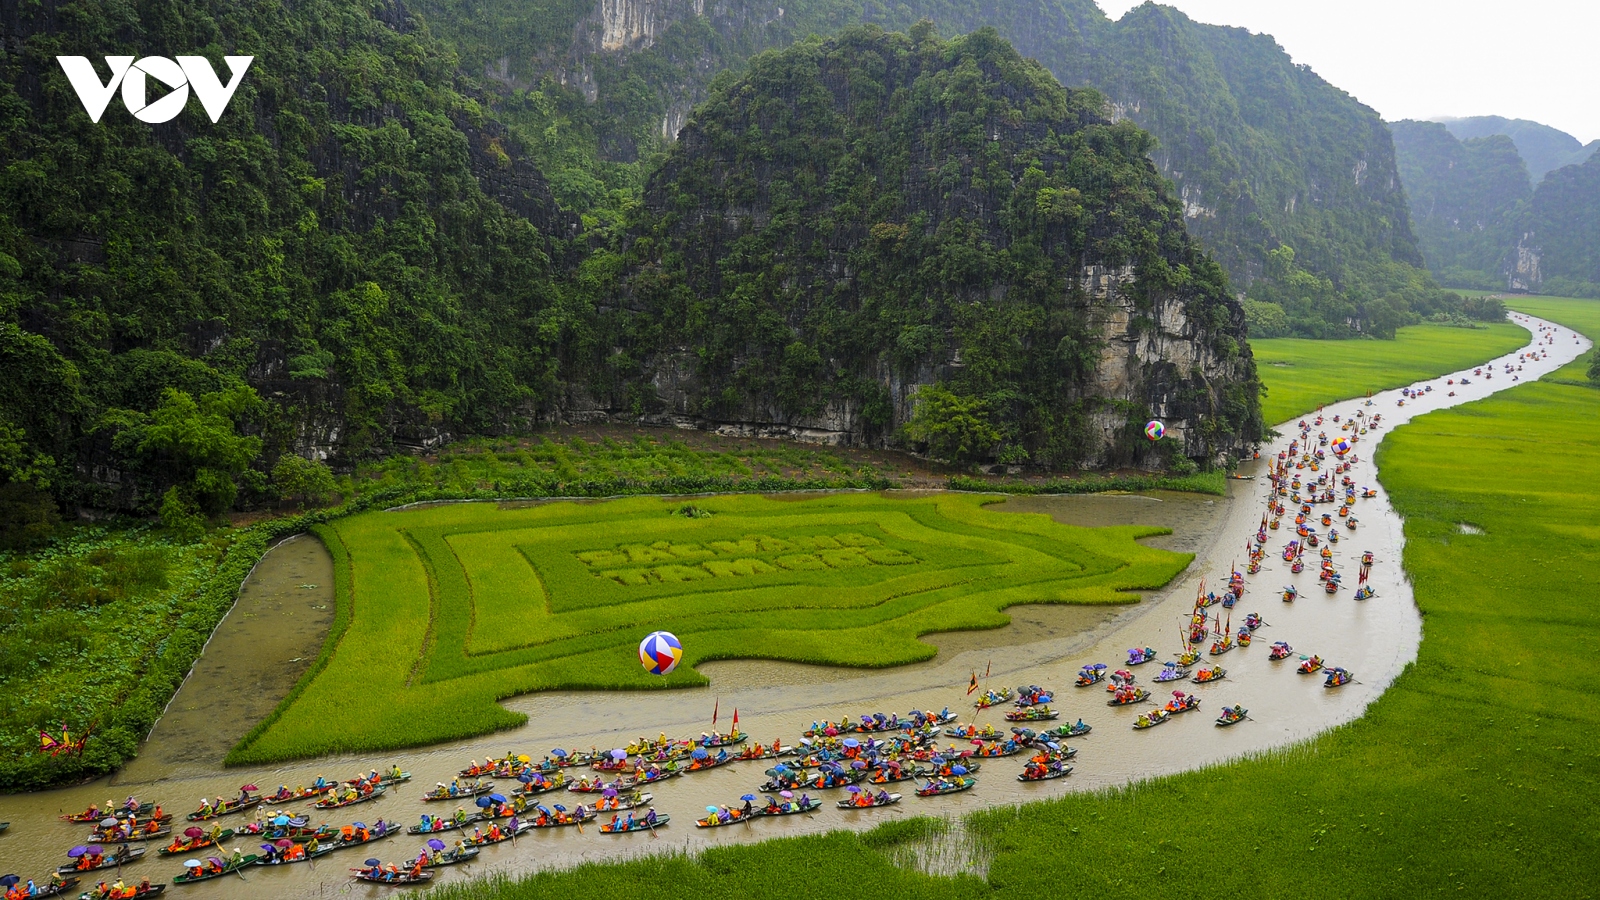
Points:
(1422, 59)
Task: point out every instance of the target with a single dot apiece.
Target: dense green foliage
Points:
(333, 238)
(1467, 199)
(878, 204)
(1472, 775)
(1295, 371)
(453, 607)
(1264, 152)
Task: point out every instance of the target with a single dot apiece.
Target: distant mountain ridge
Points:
(1483, 222)
(1543, 148)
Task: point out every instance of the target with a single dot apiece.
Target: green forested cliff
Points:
(356, 239)
(1264, 153)
(878, 230)
(1468, 198)
(359, 257)
(1564, 226)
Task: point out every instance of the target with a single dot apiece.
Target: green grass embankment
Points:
(1302, 374)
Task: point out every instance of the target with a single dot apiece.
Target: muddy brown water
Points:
(284, 609)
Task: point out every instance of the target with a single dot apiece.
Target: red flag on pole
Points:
(736, 718)
(986, 668)
(715, 709)
(974, 685)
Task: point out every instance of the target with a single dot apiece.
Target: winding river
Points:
(287, 603)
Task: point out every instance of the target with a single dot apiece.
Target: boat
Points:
(506, 834)
(226, 809)
(220, 869)
(1253, 621)
(1078, 729)
(1054, 769)
(298, 827)
(381, 781)
(195, 843)
(1208, 675)
(110, 862)
(284, 795)
(533, 789)
(877, 801)
(1280, 650)
(1171, 672)
(624, 826)
(115, 835)
(994, 698)
(1127, 696)
(1091, 675)
(938, 785)
(1338, 677)
(1223, 646)
(451, 857)
(1310, 666)
(1139, 656)
(1232, 715)
(280, 859)
(359, 798)
(1189, 658)
(68, 884)
(393, 878)
(93, 813)
(465, 792)
(562, 819)
(440, 825)
(631, 800)
(1151, 718)
(1245, 637)
(1365, 592)
(973, 731)
(1181, 703)
(1032, 714)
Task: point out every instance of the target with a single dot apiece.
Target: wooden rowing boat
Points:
(109, 862)
(249, 859)
(226, 809)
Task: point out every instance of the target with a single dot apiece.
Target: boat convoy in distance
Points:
(861, 757)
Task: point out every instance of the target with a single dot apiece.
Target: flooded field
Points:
(276, 630)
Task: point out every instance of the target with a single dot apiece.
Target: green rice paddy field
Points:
(445, 609)
(1474, 775)
(1302, 374)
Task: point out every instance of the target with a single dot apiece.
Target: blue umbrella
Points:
(1052, 745)
(559, 753)
(280, 820)
(958, 770)
(9, 880)
(484, 802)
(358, 825)
(858, 764)
(700, 753)
(711, 809)
(851, 742)
(542, 808)
(525, 778)
(560, 808)
(748, 798)
(374, 861)
(498, 798)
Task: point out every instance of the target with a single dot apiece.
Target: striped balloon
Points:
(660, 652)
(1340, 446)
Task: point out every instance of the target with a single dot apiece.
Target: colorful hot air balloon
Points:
(1340, 446)
(1154, 430)
(659, 652)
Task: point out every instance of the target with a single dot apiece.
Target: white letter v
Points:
(91, 92)
(213, 94)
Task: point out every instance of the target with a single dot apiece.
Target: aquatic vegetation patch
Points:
(454, 607)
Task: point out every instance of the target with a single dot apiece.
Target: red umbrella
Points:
(284, 843)
(193, 832)
(249, 788)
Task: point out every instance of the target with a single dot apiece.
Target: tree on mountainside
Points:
(952, 427)
(1594, 366)
(191, 449)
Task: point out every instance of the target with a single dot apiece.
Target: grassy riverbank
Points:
(1301, 374)
(457, 606)
(1472, 776)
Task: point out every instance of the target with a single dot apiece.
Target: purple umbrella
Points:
(435, 844)
(284, 843)
(78, 851)
(853, 789)
(619, 755)
(609, 792)
(786, 794)
(358, 825)
(268, 847)
(95, 849)
(858, 764)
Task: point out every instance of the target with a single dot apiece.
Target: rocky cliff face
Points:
(859, 219)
